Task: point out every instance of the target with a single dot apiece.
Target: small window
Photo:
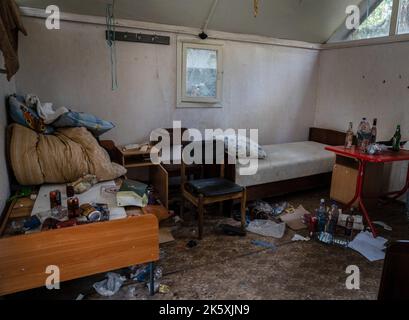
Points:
(376, 23)
(403, 18)
(199, 75)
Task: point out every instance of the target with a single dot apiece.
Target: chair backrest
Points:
(395, 275)
(207, 170)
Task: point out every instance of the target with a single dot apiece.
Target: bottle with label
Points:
(321, 216)
(364, 135)
(374, 131)
(349, 139)
(396, 139)
(332, 219)
(349, 225)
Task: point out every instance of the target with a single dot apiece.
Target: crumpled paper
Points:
(110, 286)
(267, 228)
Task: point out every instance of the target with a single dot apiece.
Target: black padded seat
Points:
(213, 187)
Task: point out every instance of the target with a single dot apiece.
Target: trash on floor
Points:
(80, 297)
(295, 220)
(163, 288)
(264, 244)
(232, 230)
(263, 210)
(267, 228)
(110, 286)
(165, 235)
(298, 237)
(370, 247)
(383, 225)
(191, 244)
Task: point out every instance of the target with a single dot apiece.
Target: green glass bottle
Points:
(396, 139)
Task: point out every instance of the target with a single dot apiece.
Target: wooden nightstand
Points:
(158, 176)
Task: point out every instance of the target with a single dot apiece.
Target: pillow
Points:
(80, 119)
(26, 116)
(244, 146)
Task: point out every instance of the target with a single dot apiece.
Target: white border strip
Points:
(219, 35)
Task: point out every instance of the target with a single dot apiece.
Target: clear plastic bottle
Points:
(374, 131)
(321, 215)
(364, 135)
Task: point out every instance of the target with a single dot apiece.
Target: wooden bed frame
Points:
(78, 251)
(267, 190)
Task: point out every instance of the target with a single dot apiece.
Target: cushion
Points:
(80, 119)
(213, 187)
(26, 116)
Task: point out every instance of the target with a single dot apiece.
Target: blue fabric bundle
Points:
(79, 119)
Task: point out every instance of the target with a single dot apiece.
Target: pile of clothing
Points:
(42, 118)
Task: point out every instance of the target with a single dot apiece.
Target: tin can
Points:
(73, 206)
(70, 191)
(55, 199)
(90, 212)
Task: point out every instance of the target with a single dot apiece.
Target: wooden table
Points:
(364, 159)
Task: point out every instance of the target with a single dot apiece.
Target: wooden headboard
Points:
(327, 136)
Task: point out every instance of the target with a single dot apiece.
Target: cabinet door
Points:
(343, 184)
(159, 180)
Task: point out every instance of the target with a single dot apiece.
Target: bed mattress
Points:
(289, 161)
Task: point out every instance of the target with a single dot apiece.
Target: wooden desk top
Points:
(386, 156)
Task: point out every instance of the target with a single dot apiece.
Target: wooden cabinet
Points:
(140, 167)
(344, 179)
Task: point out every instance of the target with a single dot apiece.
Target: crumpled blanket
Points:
(62, 157)
(10, 25)
(45, 110)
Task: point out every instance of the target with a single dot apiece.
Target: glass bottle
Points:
(374, 131)
(396, 139)
(349, 139)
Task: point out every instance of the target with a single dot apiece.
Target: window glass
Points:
(403, 18)
(201, 73)
(376, 24)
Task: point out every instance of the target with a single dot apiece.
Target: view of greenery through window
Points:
(403, 21)
(377, 24)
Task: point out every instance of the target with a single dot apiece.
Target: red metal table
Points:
(363, 159)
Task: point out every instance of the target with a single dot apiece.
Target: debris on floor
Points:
(264, 244)
(267, 228)
(370, 247)
(191, 244)
(383, 225)
(295, 220)
(163, 288)
(298, 237)
(110, 286)
(232, 230)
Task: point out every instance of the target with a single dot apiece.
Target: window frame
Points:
(185, 101)
(342, 33)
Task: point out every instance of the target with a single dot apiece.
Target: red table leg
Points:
(396, 194)
(358, 196)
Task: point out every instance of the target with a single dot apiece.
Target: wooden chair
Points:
(202, 192)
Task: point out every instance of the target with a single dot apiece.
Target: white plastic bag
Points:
(267, 228)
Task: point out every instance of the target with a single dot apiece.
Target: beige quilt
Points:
(62, 157)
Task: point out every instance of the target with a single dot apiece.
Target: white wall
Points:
(266, 87)
(5, 89)
(372, 82)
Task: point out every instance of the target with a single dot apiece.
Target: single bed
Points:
(291, 167)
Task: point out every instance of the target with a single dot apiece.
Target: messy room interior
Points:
(204, 150)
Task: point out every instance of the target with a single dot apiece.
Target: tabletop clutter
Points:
(64, 207)
(367, 138)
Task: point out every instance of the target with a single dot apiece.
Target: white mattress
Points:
(289, 161)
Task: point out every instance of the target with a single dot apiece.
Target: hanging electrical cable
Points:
(110, 25)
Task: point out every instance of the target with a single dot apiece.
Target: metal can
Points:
(55, 199)
(90, 212)
(73, 206)
(70, 191)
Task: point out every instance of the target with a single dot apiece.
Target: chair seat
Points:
(212, 187)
